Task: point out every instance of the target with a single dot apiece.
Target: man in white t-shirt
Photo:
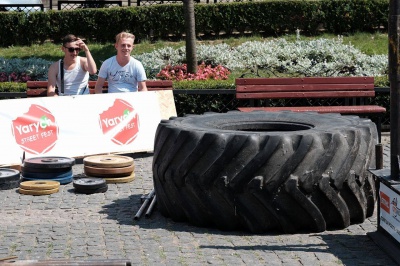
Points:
(70, 75)
(123, 72)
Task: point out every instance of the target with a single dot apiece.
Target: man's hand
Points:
(82, 45)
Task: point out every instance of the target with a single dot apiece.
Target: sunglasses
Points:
(71, 49)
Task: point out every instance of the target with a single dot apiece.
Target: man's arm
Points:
(52, 77)
(142, 86)
(89, 63)
(99, 85)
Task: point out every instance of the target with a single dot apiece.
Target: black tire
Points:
(264, 171)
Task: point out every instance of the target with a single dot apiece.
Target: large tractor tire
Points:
(266, 171)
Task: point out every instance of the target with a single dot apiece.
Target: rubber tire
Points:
(263, 171)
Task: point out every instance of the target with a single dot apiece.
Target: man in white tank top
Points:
(75, 69)
(123, 72)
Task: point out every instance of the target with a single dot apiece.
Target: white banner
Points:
(76, 126)
(389, 211)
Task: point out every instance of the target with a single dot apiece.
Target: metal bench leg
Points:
(379, 128)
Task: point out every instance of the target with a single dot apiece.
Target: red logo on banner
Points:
(385, 202)
(120, 122)
(36, 131)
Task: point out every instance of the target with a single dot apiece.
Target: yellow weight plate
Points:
(126, 179)
(111, 180)
(39, 184)
(38, 192)
(108, 161)
(108, 172)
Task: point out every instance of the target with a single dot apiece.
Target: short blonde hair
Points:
(123, 35)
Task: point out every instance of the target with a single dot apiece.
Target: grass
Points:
(369, 43)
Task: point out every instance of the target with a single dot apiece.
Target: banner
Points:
(389, 211)
(77, 126)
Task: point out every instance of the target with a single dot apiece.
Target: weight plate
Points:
(108, 172)
(91, 191)
(63, 181)
(39, 184)
(24, 168)
(89, 183)
(37, 192)
(7, 174)
(125, 179)
(49, 162)
(9, 185)
(47, 175)
(108, 161)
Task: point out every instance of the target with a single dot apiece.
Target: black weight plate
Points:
(7, 174)
(24, 168)
(89, 183)
(9, 185)
(49, 162)
(91, 191)
(47, 175)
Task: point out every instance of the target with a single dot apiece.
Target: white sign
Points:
(389, 211)
(75, 126)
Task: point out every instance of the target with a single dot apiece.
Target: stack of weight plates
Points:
(112, 168)
(48, 168)
(39, 187)
(9, 178)
(90, 185)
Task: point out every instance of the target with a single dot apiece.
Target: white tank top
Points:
(75, 80)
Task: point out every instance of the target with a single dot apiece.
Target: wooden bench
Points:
(39, 88)
(354, 90)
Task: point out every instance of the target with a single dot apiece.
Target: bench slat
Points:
(36, 84)
(305, 94)
(305, 80)
(364, 109)
(311, 87)
(304, 87)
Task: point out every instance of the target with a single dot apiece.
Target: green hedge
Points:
(181, 85)
(12, 87)
(166, 21)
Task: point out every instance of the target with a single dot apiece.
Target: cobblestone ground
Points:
(73, 226)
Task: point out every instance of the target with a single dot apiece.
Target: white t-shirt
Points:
(75, 80)
(122, 79)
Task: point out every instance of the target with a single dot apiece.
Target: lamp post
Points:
(394, 77)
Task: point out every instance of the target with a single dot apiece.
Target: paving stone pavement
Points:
(73, 226)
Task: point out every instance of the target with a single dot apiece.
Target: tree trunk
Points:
(190, 30)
